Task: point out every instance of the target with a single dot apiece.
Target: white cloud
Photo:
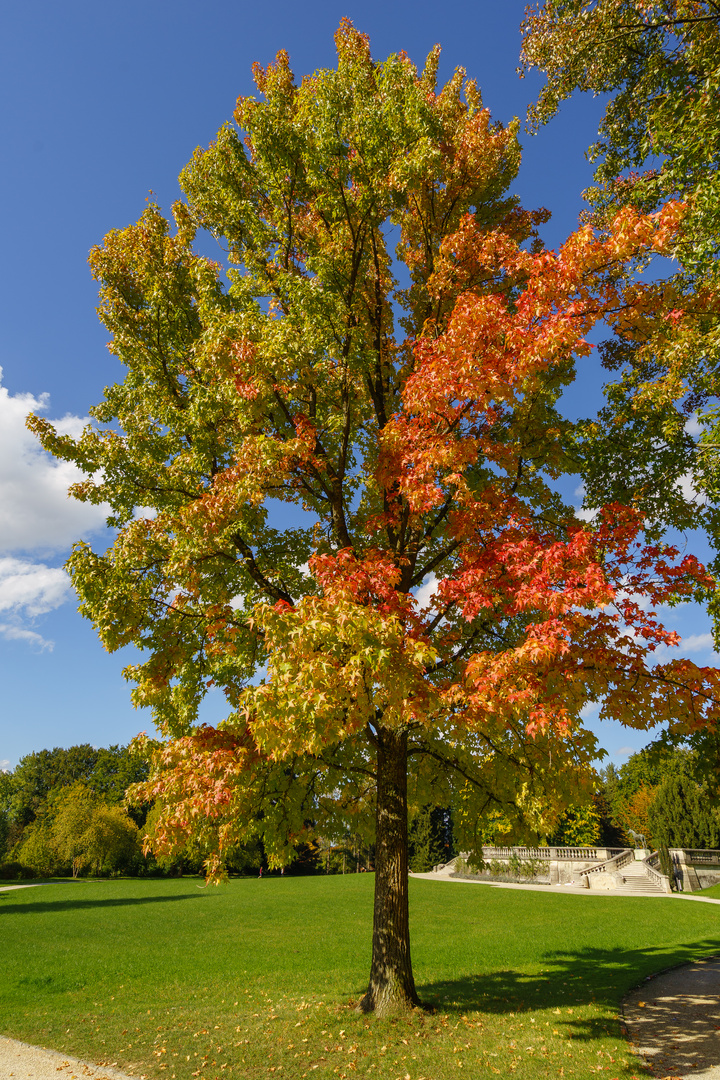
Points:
(698, 643)
(700, 648)
(624, 751)
(584, 515)
(426, 591)
(4, 765)
(29, 589)
(692, 426)
(37, 514)
(17, 633)
(32, 587)
(590, 711)
(689, 492)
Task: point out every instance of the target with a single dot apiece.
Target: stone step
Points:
(639, 883)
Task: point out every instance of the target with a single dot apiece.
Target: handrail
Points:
(654, 874)
(626, 856)
(701, 855)
(571, 853)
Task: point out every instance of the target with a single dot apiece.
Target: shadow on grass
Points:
(40, 907)
(570, 981)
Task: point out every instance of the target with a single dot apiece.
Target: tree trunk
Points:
(392, 987)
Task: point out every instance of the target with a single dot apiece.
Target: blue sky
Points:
(103, 103)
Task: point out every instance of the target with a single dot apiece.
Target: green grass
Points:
(713, 892)
(256, 978)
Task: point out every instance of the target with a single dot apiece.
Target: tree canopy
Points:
(658, 63)
(107, 772)
(331, 468)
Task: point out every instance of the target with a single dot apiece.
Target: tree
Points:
(111, 839)
(640, 794)
(38, 849)
(83, 831)
(429, 838)
(38, 775)
(107, 772)
(578, 827)
(634, 813)
(300, 446)
(659, 63)
(116, 769)
(5, 797)
(680, 816)
(73, 816)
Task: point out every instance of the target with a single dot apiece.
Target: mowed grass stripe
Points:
(257, 978)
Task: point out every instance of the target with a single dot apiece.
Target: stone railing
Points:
(702, 856)
(624, 856)
(574, 854)
(651, 864)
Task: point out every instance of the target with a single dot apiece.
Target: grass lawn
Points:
(255, 978)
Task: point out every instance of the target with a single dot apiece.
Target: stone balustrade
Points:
(598, 867)
(572, 853)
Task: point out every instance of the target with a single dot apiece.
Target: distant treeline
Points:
(63, 812)
(667, 793)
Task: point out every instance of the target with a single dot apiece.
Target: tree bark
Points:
(391, 988)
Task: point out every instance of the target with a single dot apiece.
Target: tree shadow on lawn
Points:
(40, 907)
(572, 980)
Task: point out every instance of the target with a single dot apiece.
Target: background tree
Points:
(37, 850)
(578, 827)
(5, 797)
(661, 776)
(659, 64)
(111, 840)
(73, 815)
(106, 772)
(40, 786)
(680, 815)
(75, 831)
(430, 838)
(40, 774)
(634, 813)
(311, 459)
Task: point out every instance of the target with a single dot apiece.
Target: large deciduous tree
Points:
(330, 467)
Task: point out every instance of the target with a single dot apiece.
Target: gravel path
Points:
(673, 1021)
(23, 1062)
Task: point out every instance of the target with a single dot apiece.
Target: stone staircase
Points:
(633, 878)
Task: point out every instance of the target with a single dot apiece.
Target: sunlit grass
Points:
(259, 977)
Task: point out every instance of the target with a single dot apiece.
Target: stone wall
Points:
(695, 868)
(538, 866)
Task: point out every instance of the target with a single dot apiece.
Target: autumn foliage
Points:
(353, 528)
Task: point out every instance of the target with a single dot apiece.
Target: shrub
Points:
(14, 871)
